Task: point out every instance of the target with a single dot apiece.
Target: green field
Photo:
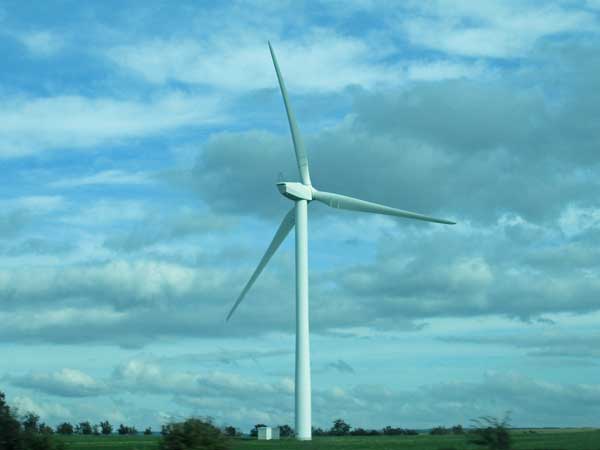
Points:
(523, 440)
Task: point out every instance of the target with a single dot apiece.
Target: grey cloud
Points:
(37, 246)
(341, 366)
(65, 383)
(179, 225)
(552, 344)
(520, 143)
(227, 357)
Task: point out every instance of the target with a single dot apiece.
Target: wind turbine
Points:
(302, 193)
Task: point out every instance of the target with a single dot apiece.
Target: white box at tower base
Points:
(268, 433)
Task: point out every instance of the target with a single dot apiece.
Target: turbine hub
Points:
(295, 191)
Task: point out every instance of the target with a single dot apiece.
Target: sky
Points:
(140, 144)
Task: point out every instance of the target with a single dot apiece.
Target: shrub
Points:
(492, 432)
(106, 427)
(254, 431)
(193, 434)
(64, 428)
(15, 435)
(339, 428)
(286, 431)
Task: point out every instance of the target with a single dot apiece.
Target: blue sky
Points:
(139, 152)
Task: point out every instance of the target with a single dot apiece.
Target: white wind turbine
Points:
(302, 193)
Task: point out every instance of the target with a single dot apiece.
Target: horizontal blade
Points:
(354, 204)
(286, 225)
(301, 158)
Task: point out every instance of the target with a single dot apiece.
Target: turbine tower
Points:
(302, 193)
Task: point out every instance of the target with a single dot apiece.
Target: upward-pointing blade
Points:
(354, 204)
(286, 225)
(301, 158)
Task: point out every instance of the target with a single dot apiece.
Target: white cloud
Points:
(32, 125)
(490, 29)
(41, 43)
(65, 382)
(320, 61)
(106, 177)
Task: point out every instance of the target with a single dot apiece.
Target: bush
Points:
(492, 432)
(64, 428)
(15, 435)
(193, 434)
(286, 431)
(339, 428)
(106, 427)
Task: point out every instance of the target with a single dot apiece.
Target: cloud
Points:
(492, 29)
(65, 383)
(33, 125)
(106, 177)
(41, 43)
(241, 62)
(341, 366)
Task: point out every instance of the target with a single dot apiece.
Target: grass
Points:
(584, 439)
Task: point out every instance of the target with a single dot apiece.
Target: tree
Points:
(492, 432)
(45, 429)
(30, 422)
(84, 428)
(339, 428)
(254, 431)
(124, 429)
(10, 428)
(64, 428)
(193, 434)
(96, 430)
(439, 430)
(318, 432)
(148, 431)
(24, 435)
(458, 429)
(286, 431)
(106, 427)
(230, 431)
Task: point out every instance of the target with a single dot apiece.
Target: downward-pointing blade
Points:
(301, 158)
(286, 225)
(354, 204)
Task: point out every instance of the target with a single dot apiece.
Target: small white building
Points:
(268, 433)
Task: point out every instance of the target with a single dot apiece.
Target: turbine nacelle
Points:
(295, 191)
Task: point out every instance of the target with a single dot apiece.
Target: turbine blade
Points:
(301, 158)
(286, 225)
(354, 204)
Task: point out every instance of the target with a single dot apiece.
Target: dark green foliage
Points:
(318, 432)
(230, 431)
(25, 435)
(439, 430)
(148, 431)
(84, 428)
(45, 429)
(286, 431)
(492, 432)
(339, 428)
(391, 431)
(106, 427)
(30, 422)
(363, 432)
(10, 428)
(193, 434)
(64, 428)
(458, 429)
(124, 429)
(254, 431)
